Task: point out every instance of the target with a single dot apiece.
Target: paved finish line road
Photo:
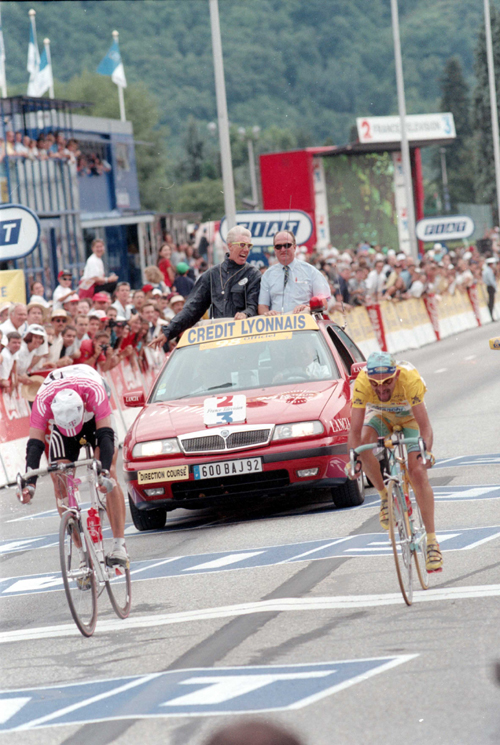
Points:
(294, 610)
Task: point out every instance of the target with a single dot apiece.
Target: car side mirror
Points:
(495, 343)
(134, 398)
(355, 368)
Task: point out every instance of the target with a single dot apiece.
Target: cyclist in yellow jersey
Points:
(385, 394)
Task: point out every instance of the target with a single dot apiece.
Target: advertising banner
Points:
(12, 286)
(375, 316)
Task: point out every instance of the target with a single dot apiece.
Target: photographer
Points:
(98, 350)
(116, 327)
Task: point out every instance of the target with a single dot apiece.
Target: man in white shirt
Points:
(290, 284)
(94, 272)
(8, 356)
(375, 282)
(16, 322)
(122, 296)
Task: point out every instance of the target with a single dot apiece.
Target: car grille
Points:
(238, 439)
(231, 485)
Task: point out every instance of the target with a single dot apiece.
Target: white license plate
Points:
(227, 468)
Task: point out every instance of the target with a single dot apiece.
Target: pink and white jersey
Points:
(81, 378)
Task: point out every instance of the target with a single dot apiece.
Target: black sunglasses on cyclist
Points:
(279, 246)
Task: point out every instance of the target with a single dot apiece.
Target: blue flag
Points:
(112, 65)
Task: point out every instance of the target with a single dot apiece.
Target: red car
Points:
(244, 410)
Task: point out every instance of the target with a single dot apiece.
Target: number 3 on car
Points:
(244, 410)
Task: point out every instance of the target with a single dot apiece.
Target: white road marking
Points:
(224, 561)
(10, 706)
(470, 357)
(281, 605)
(441, 370)
(87, 701)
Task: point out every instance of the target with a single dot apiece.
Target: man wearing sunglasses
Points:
(227, 290)
(290, 284)
(385, 394)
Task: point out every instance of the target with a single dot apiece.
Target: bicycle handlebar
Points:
(389, 443)
(57, 467)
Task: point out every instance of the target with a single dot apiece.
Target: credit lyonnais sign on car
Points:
(418, 127)
(19, 231)
(265, 224)
(451, 228)
(225, 330)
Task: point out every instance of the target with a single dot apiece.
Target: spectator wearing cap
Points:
(70, 305)
(17, 321)
(117, 330)
(59, 320)
(97, 315)
(488, 276)
(33, 351)
(122, 297)
(63, 290)
(183, 283)
(4, 312)
(101, 301)
(94, 272)
(8, 358)
(147, 290)
(176, 304)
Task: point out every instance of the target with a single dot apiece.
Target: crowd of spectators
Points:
(102, 321)
(47, 146)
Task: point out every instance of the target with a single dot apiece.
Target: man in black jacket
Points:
(230, 290)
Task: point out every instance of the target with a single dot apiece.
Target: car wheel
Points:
(348, 494)
(148, 519)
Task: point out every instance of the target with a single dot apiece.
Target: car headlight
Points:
(298, 429)
(155, 447)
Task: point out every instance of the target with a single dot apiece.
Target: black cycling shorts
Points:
(68, 448)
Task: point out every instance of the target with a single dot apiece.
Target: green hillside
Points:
(309, 65)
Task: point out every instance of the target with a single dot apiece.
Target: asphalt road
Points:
(294, 612)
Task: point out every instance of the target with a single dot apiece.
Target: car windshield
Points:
(200, 370)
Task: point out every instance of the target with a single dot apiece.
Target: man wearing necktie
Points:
(288, 286)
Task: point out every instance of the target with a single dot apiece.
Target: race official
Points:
(289, 285)
(229, 289)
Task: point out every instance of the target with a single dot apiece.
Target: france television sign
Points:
(19, 231)
(263, 225)
(380, 129)
(452, 228)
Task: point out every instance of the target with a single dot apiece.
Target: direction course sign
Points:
(450, 228)
(264, 224)
(19, 231)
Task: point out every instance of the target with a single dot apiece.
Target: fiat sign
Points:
(19, 231)
(265, 224)
(452, 228)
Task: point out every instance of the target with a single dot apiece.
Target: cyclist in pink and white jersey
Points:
(74, 400)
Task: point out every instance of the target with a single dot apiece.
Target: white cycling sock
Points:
(119, 543)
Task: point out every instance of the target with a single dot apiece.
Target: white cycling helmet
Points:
(68, 410)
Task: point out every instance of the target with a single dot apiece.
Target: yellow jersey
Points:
(409, 391)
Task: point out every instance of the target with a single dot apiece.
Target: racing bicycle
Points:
(406, 529)
(85, 541)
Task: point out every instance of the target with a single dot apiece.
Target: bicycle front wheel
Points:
(118, 582)
(399, 533)
(420, 541)
(78, 574)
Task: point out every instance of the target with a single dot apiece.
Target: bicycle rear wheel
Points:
(118, 582)
(420, 538)
(78, 574)
(399, 533)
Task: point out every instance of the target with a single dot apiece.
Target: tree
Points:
(484, 166)
(205, 196)
(459, 156)
(142, 110)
